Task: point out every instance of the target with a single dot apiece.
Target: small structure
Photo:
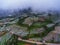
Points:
(1, 24)
(41, 19)
(50, 25)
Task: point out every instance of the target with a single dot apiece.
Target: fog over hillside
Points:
(35, 4)
(9, 6)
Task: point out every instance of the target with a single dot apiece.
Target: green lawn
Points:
(21, 43)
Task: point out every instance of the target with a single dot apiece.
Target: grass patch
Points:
(21, 43)
(24, 43)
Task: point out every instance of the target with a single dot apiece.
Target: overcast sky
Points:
(35, 4)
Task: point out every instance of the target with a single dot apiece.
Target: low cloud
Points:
(35, 4)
